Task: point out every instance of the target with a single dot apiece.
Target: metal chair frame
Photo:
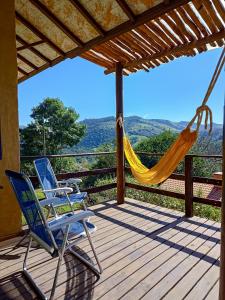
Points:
(54, 250)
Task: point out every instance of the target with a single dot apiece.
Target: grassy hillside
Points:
(102, 130)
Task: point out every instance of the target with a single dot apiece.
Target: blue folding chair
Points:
(57, 236)
(51, 187)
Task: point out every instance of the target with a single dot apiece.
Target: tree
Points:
(53, 128)
(155, 144)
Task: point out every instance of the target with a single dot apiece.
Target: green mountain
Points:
(102, 130)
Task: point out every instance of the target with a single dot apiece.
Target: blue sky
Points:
(172, 91)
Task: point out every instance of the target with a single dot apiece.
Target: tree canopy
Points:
(53, 128)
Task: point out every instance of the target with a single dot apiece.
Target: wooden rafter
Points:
(26, 61)
(126, 9)
(45, 11)
(145, 17)
(39, 34)
(28, 46)
(87, 16)
(32, 49)
(22, 71)
(177, 50)
(114, 50)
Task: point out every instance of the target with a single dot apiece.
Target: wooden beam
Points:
(222, 246)
(119, 135)
(146, 16)
(35, 51)
(45, 11)
(188, 169)
(87, 16)
(27, 62)
(28, 46)
(22, 71)
(39, 34)
(177, 50)
(126, 9)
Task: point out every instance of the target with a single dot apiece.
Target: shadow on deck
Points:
(147, 252)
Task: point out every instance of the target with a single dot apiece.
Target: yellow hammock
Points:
(175, 154)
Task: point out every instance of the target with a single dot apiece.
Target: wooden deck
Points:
(147, 252)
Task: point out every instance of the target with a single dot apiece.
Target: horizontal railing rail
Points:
(187, 178)
(32, 157)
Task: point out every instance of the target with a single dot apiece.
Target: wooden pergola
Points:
(123, 36)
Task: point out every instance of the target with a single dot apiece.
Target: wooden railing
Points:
(79, 174)
(187, 177)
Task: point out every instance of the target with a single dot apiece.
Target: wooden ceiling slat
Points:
(212, 14)
(180, 49)
(158, 31)
(106, 53)
(210, 10)
(45, 11)
(192, 15)
(115, 53)
(28, 46)
(166, 30)
(204, 14)
(219, 8)
(126, 47)
(174, 28)
(147, 40)
(27, 62)
(148, 15)
(189, 22)
(22, 71)
(140, 38)
(153, 45)
(180, 23)
(154, 37)
(35, 51)
(120, 51)
(126, 9)
(39, 34)
(135, 44)
(88, 17)
(93, 58)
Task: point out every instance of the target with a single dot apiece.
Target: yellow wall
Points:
(10, 216)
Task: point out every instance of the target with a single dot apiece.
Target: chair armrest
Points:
(48, 201)
(60, 189)
(70, 220)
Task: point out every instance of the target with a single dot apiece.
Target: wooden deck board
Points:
(147, 252)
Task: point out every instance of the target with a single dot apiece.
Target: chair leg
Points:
(85, 261)
(27, 274)
(61, 254)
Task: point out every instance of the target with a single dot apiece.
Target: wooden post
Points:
(222, 247)
(119, 135)
(188, 166)
(10, 214)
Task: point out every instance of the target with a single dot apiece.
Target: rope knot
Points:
(199, 115)
(120, 121)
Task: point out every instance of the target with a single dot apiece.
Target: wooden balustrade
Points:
(188, 178)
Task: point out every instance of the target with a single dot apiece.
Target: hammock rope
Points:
(177, 151)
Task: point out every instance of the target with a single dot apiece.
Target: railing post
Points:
(119, 135)
(222, 244)
(188, 167)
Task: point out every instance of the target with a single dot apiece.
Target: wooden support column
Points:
(119, 135)
(188, 166)
(10, 215)
(222, 247)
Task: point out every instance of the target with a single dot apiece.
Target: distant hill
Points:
(102, 130)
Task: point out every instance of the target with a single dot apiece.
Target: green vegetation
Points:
(53, 128)
(102, 131)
